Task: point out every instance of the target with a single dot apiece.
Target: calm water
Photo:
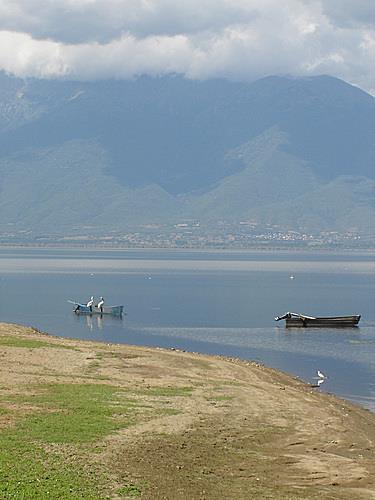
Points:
(212, 302)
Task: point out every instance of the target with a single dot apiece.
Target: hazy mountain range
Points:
(288, 151)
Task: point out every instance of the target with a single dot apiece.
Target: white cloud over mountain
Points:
(238, 39)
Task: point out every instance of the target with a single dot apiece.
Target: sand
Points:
(206, 426)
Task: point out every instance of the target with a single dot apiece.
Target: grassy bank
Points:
(92, 420)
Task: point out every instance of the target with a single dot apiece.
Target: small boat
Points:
(301, 320)
(105, 310)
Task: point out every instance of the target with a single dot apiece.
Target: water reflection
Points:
(96, 321)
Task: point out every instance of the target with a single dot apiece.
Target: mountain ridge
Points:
(152, 150)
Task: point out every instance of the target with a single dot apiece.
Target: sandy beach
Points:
(165, 424)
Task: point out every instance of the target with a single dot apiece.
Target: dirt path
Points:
(202, 427)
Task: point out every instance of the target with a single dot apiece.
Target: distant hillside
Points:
(299, 152)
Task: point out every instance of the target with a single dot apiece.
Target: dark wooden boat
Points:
(301, 320)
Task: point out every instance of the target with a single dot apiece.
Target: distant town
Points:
(192, 234)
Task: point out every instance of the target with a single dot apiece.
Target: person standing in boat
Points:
(101, 304)
(90, 303)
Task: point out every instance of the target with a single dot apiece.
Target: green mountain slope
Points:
(270, 176)
(64, 188)
(108, 155)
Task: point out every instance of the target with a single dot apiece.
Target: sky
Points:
(236, 39)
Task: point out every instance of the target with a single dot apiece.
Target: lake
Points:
(211, 302)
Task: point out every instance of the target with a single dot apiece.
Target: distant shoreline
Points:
(267, 249)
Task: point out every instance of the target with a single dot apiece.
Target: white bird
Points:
(321, 378)
(90, 303)
(100, 303)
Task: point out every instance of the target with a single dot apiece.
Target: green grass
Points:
(220, 398)
(4, 411)
(11, 341)
(130, 490)
(66, 414)
(76, 413)
(27, 471)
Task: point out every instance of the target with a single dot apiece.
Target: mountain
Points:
(297, 152)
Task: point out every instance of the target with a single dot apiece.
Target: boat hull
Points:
(108, 310)
(328, 322)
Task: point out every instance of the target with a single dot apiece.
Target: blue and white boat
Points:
(104, 310)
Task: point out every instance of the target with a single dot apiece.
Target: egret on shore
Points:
(321, 378)
(321, 375)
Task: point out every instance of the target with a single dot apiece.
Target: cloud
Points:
(79, 21)
(237, 39)
(350, 13)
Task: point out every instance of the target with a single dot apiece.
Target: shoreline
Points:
(265, 249)
(173, 424)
